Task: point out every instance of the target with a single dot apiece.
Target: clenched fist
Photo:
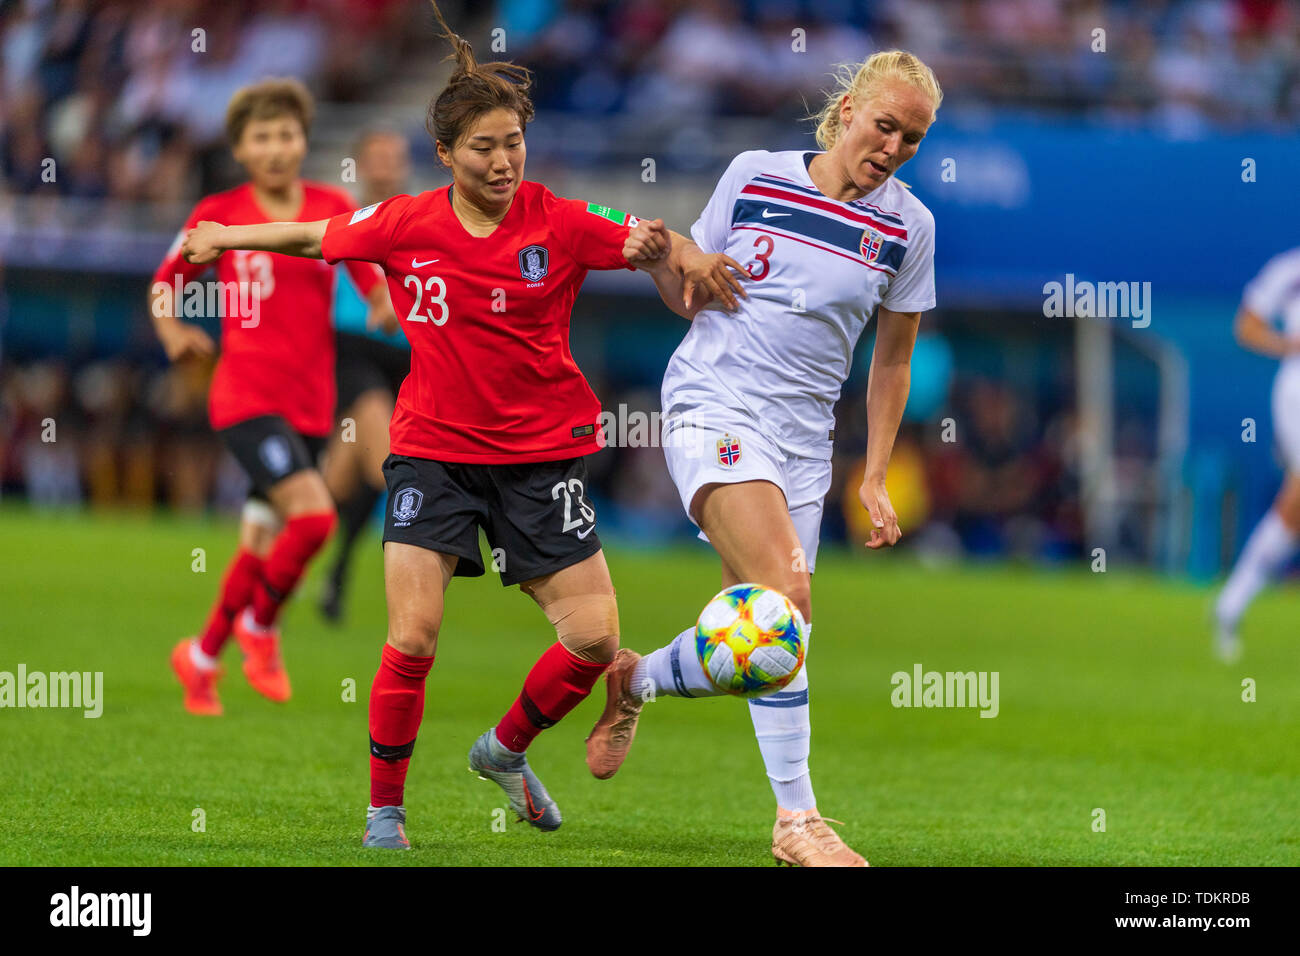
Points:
(200, 245)
(648, 241)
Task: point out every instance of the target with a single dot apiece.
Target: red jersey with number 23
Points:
(492, 379)
(278, 359)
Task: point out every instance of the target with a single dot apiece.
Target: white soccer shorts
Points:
(707, 446)
(1286, 414)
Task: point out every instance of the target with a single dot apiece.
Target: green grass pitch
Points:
(1109, 699)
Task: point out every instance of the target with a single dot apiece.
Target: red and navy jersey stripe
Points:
(774, 180)
(819, 222)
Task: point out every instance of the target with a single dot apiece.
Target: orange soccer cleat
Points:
(804, 839)
(262, 664)
(200, 685)
(611, 738)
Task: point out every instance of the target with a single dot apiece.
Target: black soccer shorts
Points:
(365, 363)
(537, 516)
(269, 451)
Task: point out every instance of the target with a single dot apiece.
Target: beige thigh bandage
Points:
(260, 513)
(586, 624)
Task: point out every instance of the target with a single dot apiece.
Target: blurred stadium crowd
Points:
(1185, 65)
(117, 93)
(113, 92)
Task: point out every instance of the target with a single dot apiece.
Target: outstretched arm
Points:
(206, 241)
(887, 387)
(687, 278)
(666, 271)
(1255, 334)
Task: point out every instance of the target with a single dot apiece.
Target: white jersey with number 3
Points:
(819, 269)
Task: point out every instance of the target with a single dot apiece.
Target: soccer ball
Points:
(751, 640)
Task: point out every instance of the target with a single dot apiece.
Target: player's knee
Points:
(416, 638)
(587, 625)
(259, 526)
(799, 591)
(303, 492)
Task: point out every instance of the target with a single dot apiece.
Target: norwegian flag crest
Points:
(728, 450)
(871, 243)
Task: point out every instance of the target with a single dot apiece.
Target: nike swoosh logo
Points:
(774, 215)
(416, 264)
(583, 534)
(533, 812)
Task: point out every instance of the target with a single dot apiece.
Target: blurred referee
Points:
(371, 366)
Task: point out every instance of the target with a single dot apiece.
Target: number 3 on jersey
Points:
(440, 299)
(571, 489)
(761, 257)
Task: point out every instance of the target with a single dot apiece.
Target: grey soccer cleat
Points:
(386, 829)
(528, 798)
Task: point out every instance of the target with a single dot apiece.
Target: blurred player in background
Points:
(748, 398)
(491, 426)
(1274, 294)
(272, 394)
(371, 366)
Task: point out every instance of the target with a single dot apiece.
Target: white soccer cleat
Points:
(1227, 644)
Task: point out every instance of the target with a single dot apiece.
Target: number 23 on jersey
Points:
(432, 291)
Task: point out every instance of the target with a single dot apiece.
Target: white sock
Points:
(201, 660)
(784, 732)
(1269, 547)
(250, 623)
(674, 670)
(796, 795)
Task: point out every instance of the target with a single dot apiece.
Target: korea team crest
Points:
(728, 450)
(871, 243)
(275, 454)
(407, 504)
(533, 262)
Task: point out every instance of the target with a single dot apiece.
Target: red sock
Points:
(396, 706)
(236, 592)
(557, 683)
(302, 537)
